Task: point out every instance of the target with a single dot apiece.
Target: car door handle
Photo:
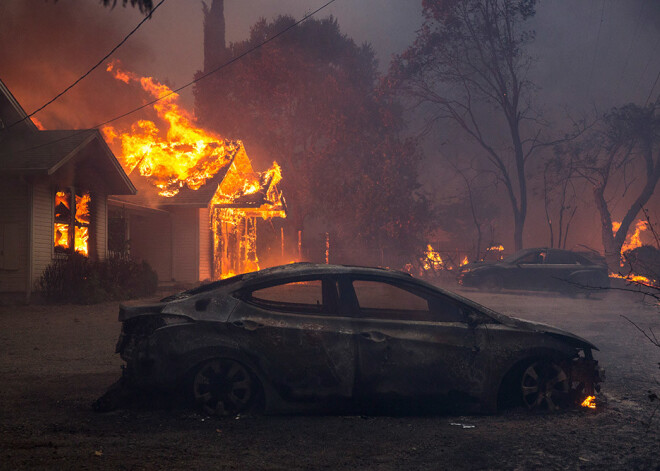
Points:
(373, 336)
(247, 325)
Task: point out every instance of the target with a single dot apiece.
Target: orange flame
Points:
(590, 402)
(465, 261)
(633, 240)
(185, 156)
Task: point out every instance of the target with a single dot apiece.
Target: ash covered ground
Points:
(57, 360)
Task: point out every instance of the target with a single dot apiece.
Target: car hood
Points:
(525, 324)
(550, 330)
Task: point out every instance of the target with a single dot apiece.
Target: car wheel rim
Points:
(223, 387)
(545, 386)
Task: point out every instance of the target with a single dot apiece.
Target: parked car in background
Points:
(303, 333)
(539, 269)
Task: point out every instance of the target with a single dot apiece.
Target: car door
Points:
(300, 335)
(531, 272)
(561, 264)
(411, 342)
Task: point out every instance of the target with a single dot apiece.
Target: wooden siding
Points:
(99, 225)
(205, 245)
(42, 227)
(150, 237)
(185, 244)
(14, 195)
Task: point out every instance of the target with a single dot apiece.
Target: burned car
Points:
(544, 269)
(287, 336)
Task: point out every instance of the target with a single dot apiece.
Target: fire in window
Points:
(72, 222)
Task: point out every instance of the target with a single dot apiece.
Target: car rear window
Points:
(294, 296)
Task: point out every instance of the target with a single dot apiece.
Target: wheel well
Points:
(508, 393)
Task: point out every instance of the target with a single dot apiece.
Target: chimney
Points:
(215, 51)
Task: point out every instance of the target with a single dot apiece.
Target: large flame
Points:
(185, 155)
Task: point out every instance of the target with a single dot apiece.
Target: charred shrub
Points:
(78, 280)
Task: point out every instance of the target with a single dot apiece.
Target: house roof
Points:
(45, 152)
(26, 150)
(12, 115)
(147, 194)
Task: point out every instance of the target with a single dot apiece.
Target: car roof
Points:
(311, 269)
(291, 270)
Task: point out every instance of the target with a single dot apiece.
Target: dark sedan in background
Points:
(305, 333)
(538, 269)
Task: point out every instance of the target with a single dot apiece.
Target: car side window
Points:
(380, 300)
(562, 258)
(533, 258)
(293, 296)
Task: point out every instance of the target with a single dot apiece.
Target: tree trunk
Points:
(612, 249)
(518, 226)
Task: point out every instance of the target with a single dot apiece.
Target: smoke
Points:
(48, 45)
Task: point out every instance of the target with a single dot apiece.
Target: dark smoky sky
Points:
(590, 54)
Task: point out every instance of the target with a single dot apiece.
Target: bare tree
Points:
(613, 159)
(559, 197)
(469, 65)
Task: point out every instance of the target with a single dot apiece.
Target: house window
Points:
(72, 220)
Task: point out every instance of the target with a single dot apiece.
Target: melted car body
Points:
(304, 333)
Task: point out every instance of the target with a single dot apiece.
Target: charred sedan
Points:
(538, 269)
(305, 333)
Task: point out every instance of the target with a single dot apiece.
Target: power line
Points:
(217, 69)
(202, 77)
(652, 88)
(92, 69)
(593, 60)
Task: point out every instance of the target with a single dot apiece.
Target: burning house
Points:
(199, 200)
(54, 191)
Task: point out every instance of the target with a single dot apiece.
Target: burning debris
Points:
(186, 158)
(638, 271)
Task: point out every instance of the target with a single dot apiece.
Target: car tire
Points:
(224, 387)
(545, 386)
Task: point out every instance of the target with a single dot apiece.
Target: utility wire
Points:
(201, 77)
(220, 67)
(92, 69)
(652, 88)
(600, 24)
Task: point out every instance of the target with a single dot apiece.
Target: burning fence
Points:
(186, 158)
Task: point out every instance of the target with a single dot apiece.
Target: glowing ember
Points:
(589, 402)
(465, 261)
